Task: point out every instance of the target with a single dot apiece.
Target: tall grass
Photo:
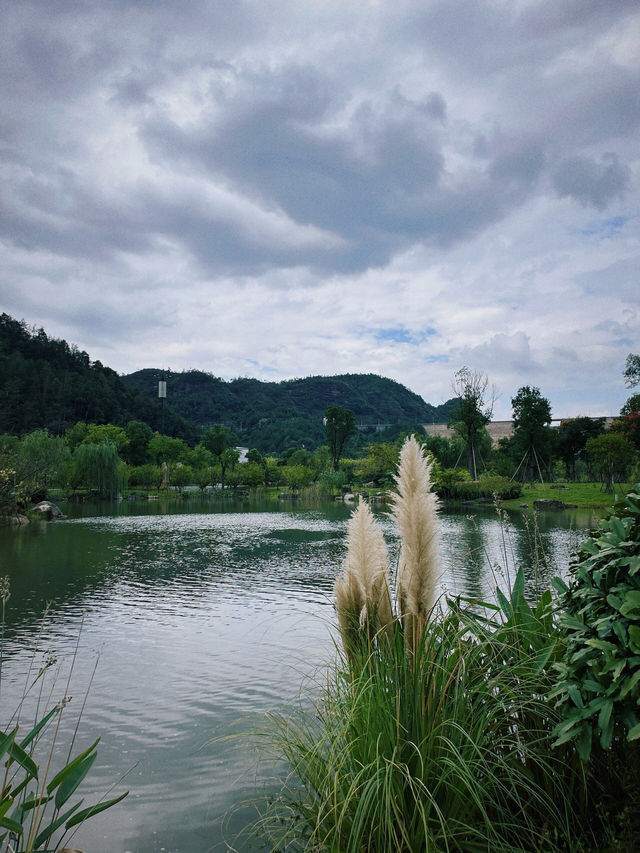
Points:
(433, 732)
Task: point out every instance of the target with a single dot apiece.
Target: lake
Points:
(203, 616)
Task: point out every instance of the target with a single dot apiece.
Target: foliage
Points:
(47, 384)
(632, 405)
(35, 803)
(488, 486)
(629, 426)
(532, 439)
(149, 476)
(101, 433)
(599, 689)
(571, 440)
(473, 412)
(340, 425)
(433, 732)
(378, 464)
(215, 439)
(297, 476)
(139, 435)
(97, 468)
(632, 370)
(612, 455)
(36, 462)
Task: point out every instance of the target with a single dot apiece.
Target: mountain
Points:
(275, 415)
(45, 383)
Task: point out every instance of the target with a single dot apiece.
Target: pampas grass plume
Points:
(362, 592)
(414, 509)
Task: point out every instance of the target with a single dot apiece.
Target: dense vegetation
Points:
(274, 416)
(466, 725)
(47, 384)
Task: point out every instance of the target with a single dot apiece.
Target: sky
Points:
(279, 189)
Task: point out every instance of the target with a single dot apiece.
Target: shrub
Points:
(599, 691)
(488, 486)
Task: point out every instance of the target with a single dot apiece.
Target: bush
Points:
(599, 692)
(488, 486)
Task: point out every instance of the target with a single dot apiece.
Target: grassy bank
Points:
(583, 495)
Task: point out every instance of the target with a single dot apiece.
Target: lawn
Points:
(587, 495)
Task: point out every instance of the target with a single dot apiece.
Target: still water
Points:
(202, 618)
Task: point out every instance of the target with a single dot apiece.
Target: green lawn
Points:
(587, 495)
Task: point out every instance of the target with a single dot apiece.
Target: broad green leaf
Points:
(38, 728)
(25, 761)
(634, 637)
(634, 733)
(631, 683)
(504, 604)
(559, 585)
(6, 740)
(48, 831)
(11, 825)
(92, 810)
(73, 779)
(631, 603)
(69, 768)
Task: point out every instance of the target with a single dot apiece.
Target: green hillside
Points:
(45, 383)
(275, 415)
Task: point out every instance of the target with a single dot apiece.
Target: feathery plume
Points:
(362, 592)
(415, 512)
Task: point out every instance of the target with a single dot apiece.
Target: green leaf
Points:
(25, 761)
(559, 585)
(48, 831)
(634, 637)
(634, 733)
(504, 604)
(69, 768)
(6, 740)
(605, 724)
(629, 686)
(11, 825)
(38, 728)
(631, 603)
(73, 779)
(92, 810)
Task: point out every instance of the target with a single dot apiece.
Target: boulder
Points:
(48, 510)
(548, 503)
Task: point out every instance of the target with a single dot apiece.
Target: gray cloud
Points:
(452, 153)
(590, 182)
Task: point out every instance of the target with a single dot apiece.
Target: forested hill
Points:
(45, 383)
(274, 415)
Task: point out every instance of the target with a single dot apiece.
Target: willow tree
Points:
(97, 468)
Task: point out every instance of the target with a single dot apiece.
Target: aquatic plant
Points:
(35, 798)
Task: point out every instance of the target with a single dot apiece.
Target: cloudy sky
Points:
(280, 188)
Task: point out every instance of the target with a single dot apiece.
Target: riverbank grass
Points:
(583, 495)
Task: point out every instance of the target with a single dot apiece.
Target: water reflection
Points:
(204, 618)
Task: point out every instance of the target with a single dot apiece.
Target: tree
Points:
(139, 435)
(632, 405)
(473, 412)
(97, 468)
(216, 439)
(340, 425)
(102, 433)
(228, 461)
(571, 440)
(532, 437)
(39, 456)
(612, 454)
(632, 371)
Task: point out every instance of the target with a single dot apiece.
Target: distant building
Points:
(499, 429)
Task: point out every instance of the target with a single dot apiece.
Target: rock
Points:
(548, 503)
(348, 497)
(49, 510)
(524, 506)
